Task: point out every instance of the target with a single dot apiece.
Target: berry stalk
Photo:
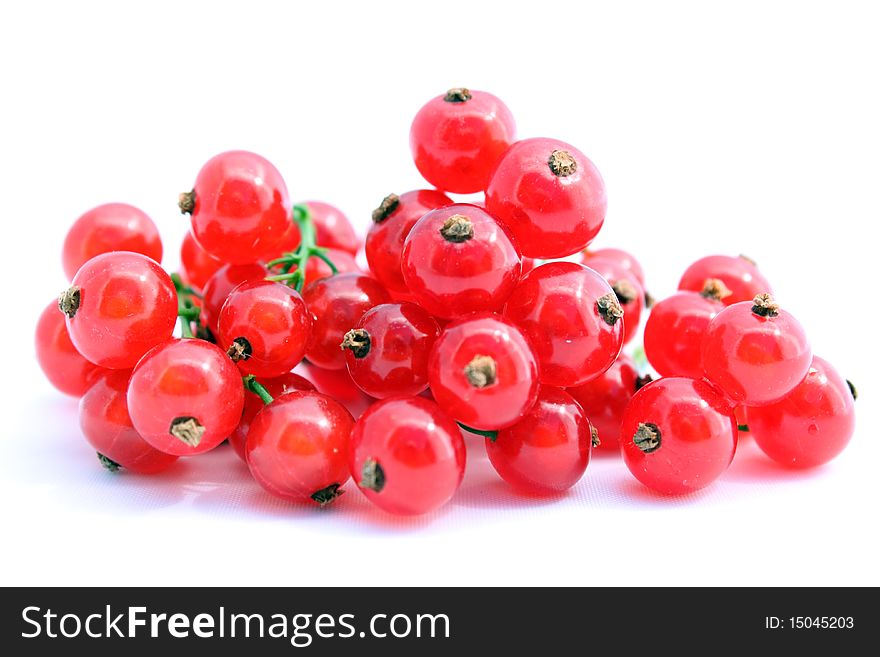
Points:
(491, 435)
(254, 386)
(308, 247)
(187, 310)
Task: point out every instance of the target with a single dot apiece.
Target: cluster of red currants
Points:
(457, 329)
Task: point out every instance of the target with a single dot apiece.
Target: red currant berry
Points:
(392, 221)
(62, 364)
(548, 450)
(297, 447)
(618, 256)
(104, 420)
(457, 139)
(604, 399)
(458, 260)
(265, 327)
(339, 385)
(218, 287)
(197, 265)
(549, 195)
(106, 228)
(678, 435)
(675, 328)
(239, 207)
(407, 456)
(629, 291)
(483, 373)
(276, 387)
(387, 350)
(121, 304)
(755, 352)
(739, 275)
(812, 424)
(185, 397)
(572, 318)
(333, 230)
(336, 304)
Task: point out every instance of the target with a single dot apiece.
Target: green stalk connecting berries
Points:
(187, 310)
(491, 435)
(308, 247)
(254, 386)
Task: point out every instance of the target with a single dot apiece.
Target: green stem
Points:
(322, 254)
(640, 359)
(182, 288)
(303, 220)
(108, 463)
(283, 278)
(308, 248)
(283, 260)
(187, 310)
(491, 435)
(743, 427)
(250, 383)
(185, 328)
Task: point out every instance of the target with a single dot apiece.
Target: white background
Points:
(748, 128)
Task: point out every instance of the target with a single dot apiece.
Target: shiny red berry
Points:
(62, 364)
(407, 456)
(264, 327)
(106, 425)
(221, 283)
(675, 328)
(549, 195)
(458, 260)
(483, 372)
(276, 387)
(812, 424)
(239, 207)
(572, 318)
(297, 447)
(120, 305)
(457, 138)
(339, 385)
(548, 450)
(678, 435)
(106, 228)
(755, 352)
(336, 304)
(387, 350)
(197, 265)
(392, 221)
(185, 397)
(605, 398)
(622, 258)
(333, 230)
(739, 275)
